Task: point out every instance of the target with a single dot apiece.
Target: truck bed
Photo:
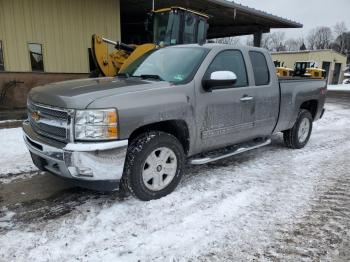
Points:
(294, 90)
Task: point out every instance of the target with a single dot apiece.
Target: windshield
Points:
(172, 64)
(166, 28)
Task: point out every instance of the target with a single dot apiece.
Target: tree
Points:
(229, 40)
(336, 47)
(311, 39)
(277, 41)
(294, 44)
(340, 37)
(250, 41)
(346, 47)
(320, 38)
(266, 42)
(273, 41)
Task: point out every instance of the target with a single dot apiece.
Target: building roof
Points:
(226, 18)
(306, 52)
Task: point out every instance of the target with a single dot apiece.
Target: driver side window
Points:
(230, 60)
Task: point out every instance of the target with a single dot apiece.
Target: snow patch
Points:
(343, 87)
(14, 155)
(236, 205)
(6, 218)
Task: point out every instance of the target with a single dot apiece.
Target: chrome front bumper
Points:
(102, 161)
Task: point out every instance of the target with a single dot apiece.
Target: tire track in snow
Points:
(323, 233)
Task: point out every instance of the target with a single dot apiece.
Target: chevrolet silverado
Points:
(176, 105)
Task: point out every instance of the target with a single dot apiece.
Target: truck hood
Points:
(78, 94)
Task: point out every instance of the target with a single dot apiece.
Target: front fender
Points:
(138, 109)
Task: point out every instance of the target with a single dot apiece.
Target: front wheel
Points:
(299, 135)
(154, 165)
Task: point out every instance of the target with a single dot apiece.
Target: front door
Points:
(226, 116)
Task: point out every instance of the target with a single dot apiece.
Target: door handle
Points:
(247, 98)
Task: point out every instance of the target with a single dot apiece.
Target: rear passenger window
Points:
(260, 68)
(230, 60)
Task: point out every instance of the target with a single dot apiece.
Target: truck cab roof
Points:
(213, 46)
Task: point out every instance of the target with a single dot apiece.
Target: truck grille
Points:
(49, 121)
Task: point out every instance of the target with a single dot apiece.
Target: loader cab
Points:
(308, 69)
(176, 25)
(278, 63)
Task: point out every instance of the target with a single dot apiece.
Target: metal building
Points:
(333, 62)
(44, 41)
(57, 31)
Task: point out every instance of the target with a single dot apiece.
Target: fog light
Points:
(85, 171)
(81, 171)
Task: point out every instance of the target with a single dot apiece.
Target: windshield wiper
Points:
(156, 77)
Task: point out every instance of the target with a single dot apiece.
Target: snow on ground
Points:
(8, 121)
(232, 210)
(14, 156)
(341, 87)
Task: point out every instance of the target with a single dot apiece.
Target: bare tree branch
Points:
(228, 40)
(339, 30)
(320, 38)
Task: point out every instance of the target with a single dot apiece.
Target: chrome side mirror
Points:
(219, 80)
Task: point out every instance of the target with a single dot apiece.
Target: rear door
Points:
(266, 94)
(225, 116)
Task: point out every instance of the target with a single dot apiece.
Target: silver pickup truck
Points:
(184, 104)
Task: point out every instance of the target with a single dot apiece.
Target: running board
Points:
(230, 152)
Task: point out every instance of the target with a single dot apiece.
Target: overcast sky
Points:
(310, 13)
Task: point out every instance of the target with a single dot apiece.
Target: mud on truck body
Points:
(184, 104)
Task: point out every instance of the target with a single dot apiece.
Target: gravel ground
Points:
(272, 204)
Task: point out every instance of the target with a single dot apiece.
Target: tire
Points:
(299, 135)
(154, 165)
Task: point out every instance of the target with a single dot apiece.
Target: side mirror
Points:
(219, 80)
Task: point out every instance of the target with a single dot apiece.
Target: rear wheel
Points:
(298, 136)
(154, 165)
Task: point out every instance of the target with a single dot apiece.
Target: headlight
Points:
(96, 124)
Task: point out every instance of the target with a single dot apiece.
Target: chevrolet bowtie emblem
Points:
(36, 116)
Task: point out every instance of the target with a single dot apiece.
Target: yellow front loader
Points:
(283, 71)
(308, 69)
(171, 26)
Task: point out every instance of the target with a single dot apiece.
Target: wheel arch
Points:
(311, 106)
(177, 128)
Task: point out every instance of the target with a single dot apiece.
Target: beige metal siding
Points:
(321, 56)
(289, 59)
(63, 27)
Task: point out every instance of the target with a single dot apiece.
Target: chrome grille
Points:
(49, 121)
